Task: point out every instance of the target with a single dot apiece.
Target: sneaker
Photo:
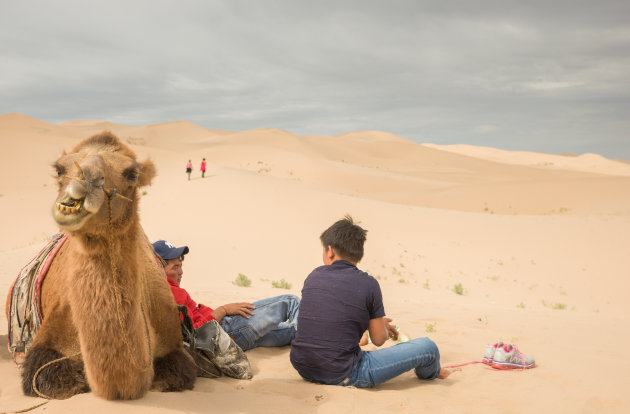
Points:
(509, 357)
(489, 352)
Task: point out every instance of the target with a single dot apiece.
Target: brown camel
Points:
(108, 313)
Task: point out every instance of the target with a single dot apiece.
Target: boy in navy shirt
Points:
(339, 303)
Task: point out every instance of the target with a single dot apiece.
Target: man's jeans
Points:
(273, 323)
(376, 367)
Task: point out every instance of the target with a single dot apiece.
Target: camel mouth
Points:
(69, 206)
(70, 213)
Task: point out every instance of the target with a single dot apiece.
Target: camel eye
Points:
(61, 171)
(131, 174)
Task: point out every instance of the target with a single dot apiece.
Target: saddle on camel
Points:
(109, 323)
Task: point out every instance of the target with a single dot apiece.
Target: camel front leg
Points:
(56, 341)
(57, 380)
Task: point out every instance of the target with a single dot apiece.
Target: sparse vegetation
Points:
(281, 284)
(557, 306)
(401, 280)
(242, 280)
(429, 327)
(458, 289)
(483, 320)
(135, 140)
(426, 285)
(144, 192)
(521, 305)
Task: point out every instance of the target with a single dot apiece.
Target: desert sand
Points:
(538, 243)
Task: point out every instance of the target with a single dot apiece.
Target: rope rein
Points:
(118, 294)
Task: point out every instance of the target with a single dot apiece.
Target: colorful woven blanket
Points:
(25, 309)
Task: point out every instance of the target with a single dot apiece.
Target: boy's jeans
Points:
(273, 323)
(376, 367)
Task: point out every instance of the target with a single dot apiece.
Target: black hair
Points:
(346, 237)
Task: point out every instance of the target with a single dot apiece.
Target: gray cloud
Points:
(539, 75)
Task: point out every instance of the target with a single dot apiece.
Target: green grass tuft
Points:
(282, 284)
(242, 280)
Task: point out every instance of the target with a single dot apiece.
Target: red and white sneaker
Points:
(509, 357)
(489, 352)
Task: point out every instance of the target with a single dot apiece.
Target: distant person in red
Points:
(189, 169)
(203, 168)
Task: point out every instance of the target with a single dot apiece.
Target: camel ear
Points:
(147, 172)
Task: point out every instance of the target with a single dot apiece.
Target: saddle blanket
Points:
(25, 308)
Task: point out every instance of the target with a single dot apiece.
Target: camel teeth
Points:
(76, 208)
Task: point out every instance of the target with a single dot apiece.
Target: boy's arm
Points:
(378, 331)
(383, 329)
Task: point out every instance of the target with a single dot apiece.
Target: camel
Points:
(110, 324)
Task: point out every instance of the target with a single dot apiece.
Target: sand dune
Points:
(541, 253)
(594, 163)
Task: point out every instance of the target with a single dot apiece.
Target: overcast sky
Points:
(539, 75)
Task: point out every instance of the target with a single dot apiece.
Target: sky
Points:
(537, 75)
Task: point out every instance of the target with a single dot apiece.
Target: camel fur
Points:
(106, 306)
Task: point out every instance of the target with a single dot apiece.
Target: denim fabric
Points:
(376, 367)
(273, 323)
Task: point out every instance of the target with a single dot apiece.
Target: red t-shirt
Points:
(199, 313)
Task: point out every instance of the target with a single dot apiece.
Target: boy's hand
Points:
(241, 308)
(364, 339)
(391, 329)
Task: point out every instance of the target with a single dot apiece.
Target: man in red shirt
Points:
(268, 322)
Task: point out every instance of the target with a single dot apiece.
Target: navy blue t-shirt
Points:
(337, 304)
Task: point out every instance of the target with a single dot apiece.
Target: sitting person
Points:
(268, 322)
(339, 302)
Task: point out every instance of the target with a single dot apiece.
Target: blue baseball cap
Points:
(167, 251)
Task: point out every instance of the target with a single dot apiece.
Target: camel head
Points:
(98, 182)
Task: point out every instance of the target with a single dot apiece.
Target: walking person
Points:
(203, 168)
(189, 169)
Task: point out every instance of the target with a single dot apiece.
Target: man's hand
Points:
(242, 308)
(392, 332)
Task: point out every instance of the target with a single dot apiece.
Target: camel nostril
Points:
(77, 190)
(99, 182)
